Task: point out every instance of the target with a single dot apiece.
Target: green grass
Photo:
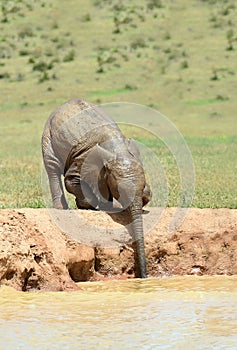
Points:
(29, 104)
(111, 92)
(208, 101)
(178, 55)
(215, 170)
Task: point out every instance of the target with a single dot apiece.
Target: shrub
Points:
(227, 9)
(43, 77)
(69, 56)
(167, 36)
(29, 6)
(31, 60)
(211, 2)
(55, 25)
(19, 77)
(26, 31)
(42, 66)
(152, 4)
(23, 52)
(184, 64)
(230, 39)
(49, 51)
(105, 56)
(5, 75)
(217, 22)
(86, 17)
(222, 98)
(120, 17)
(130, 87)
(138, 42)
(214, 75)
(55, 39)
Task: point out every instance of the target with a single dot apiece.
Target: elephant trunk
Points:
(138, 238)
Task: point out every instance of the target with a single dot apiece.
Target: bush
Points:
(105, 56)
(152, 4)
(43, 77)
(69, 56)
(138, 42)
(23, 52)
(214, 75)
(222, 98)
(26, 31)
(42, 66)
(130, 87)
(86, 17)
(5, 75)
(19, 77)
(167, 36)
(55, 25)
(230, 39)
(184, 64)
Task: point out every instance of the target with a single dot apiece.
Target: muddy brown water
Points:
(187, 312)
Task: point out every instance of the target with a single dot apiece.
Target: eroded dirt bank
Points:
(36, 255)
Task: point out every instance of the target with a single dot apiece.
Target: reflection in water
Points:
(164, 313)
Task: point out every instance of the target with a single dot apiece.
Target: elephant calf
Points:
(98, 163)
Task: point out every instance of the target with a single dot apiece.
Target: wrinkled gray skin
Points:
(98, 163)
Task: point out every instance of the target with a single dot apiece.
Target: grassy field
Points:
(178, 57)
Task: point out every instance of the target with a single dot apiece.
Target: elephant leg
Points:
(85, 199)
(56, 188)
(55, 182)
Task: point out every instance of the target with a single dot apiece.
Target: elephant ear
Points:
(133, 149)
(93, 171)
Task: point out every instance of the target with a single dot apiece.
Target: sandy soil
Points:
(51, 250)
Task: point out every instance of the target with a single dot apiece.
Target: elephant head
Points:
(105, 175)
